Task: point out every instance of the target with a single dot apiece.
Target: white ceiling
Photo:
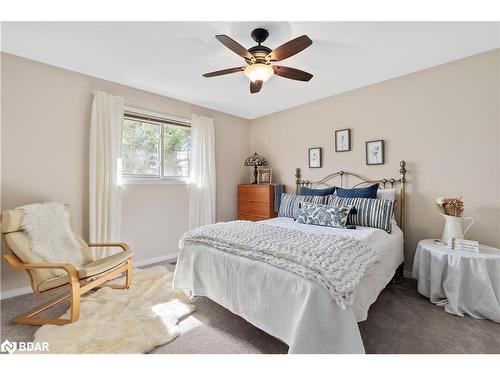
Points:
(169, 58)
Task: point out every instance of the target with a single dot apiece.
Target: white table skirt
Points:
(462, 282)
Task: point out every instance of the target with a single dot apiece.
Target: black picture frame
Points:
(348, 139)
(368, 143)
(320, 149)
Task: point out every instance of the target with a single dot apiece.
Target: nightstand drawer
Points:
(254, 208)
(242, 216)
(254, 193)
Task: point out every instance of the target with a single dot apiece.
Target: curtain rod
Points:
(158, 117)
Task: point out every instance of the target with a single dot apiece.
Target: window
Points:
(155, 148)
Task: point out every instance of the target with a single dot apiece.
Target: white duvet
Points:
(296, 310)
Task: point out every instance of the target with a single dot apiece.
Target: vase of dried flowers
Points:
(452, 210)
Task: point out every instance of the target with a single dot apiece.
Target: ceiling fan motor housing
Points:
(259, 52)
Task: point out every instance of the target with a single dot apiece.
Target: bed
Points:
(297, 310)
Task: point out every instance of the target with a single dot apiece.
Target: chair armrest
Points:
(69, 268)
(124, 246)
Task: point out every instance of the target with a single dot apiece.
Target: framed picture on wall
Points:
(342, 140)
(265, 176)
(375, 152)
(315, 156)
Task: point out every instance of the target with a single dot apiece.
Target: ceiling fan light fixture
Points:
(259, 72)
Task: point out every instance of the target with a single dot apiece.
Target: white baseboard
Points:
(141, 263)
(163, 258)
(15, 292)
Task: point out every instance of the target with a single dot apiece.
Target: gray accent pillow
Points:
(322, 214)
(289, 206)
(375, 213)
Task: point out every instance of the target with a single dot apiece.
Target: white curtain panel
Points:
(202, 181)
(104, 149)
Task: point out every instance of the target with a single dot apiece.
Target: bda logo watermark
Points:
(21, 346)
(8, 347)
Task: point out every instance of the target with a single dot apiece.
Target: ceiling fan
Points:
(259, 59)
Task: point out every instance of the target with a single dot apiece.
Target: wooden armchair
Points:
(92, 275)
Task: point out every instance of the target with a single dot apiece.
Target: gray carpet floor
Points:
(400, 321)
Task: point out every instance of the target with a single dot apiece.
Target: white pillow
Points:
(389, 194)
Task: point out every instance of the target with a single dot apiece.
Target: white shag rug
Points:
(133, 320)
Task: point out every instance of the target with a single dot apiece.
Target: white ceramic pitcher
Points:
(453, 228)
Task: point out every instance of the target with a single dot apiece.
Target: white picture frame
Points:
(265, 176)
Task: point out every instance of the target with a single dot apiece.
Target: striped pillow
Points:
(290, 204)
(375, 213)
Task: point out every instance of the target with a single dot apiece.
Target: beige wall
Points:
(45, 131)
(443, 121)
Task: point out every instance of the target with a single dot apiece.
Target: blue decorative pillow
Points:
(322, 214)
(321, 192)
(290, 204)
(366, 192)
(375, 213)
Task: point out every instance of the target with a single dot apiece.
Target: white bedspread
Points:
(335, 262)
(296, 310)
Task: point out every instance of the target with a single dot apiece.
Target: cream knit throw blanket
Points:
(336, 262)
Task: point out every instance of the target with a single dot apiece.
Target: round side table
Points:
(461, 281)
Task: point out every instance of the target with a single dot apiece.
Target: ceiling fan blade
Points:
(292, 73)
(235, 47)
(224, 71)
(290, 48)
(255, 86)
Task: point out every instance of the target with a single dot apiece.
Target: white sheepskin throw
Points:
(133, 320)
(47, 226)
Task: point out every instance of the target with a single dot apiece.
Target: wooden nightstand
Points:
(255, 202)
